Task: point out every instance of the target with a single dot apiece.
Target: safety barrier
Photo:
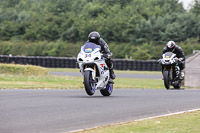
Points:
(67, 62)
(140, 65)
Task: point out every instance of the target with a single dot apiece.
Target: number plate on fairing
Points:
(87, 55)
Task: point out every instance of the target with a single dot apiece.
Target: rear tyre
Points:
(178, 85)
(108, 90)
(166, 79)
(89, 85)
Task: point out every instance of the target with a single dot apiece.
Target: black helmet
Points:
(94, 37)
(171, 45)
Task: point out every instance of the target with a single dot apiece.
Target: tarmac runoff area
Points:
(192, 71)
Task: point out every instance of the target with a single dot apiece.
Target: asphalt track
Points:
(119, 75)
(50, 111)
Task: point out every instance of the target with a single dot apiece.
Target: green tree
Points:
(196, 8)
(141, 54)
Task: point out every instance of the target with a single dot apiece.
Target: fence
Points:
(65, 62)
(151, 65)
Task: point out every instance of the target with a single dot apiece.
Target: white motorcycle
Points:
(94, 70)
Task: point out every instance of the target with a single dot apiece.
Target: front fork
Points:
(173, 69)
(95, 71)
(170, 72)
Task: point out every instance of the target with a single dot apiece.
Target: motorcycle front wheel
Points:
(108, 90)
(88, 83)
(166, 79)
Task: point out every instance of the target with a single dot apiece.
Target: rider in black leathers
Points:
(95, 38)
(172, 47)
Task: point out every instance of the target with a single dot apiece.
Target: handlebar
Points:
(107, 56)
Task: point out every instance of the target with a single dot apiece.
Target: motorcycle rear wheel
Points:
(166, 79)
(108, 90)
(89, 85)
(177, 86)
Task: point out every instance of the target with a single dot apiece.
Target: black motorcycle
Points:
(170, 70)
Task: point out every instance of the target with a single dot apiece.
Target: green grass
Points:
(66, 82)
(117, 71)
(182, 123)
(17, 69)
(63, 70)
(139, 83)
(125, 82)
(35, 82)
(138, 72)
(20, 77)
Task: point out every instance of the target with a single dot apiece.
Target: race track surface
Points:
(50, 111)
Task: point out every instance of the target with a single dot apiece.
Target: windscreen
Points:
(89, 47)
(168, 54)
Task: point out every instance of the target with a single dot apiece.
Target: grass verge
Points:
(28, 70)
(182, 123)
(34, 77)
(35, 82)
(65, 82)
(117, 71)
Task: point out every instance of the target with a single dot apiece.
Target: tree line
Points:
(132, 28)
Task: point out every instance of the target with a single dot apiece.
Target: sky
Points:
(187, 3)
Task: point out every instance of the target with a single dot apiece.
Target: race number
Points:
(87, 55)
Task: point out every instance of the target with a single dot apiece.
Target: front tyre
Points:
(166, 79)
(108, 90)
(88, 83)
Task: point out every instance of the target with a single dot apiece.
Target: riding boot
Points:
(112, 74)
(182, 74)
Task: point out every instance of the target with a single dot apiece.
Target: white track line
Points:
(121, 123)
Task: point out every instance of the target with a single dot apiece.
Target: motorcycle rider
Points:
(94, 37)
(172, 47)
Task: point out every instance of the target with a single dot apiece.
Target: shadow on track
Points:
(97, 97)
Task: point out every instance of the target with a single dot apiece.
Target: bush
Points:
(27, 70)
(62, 48)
